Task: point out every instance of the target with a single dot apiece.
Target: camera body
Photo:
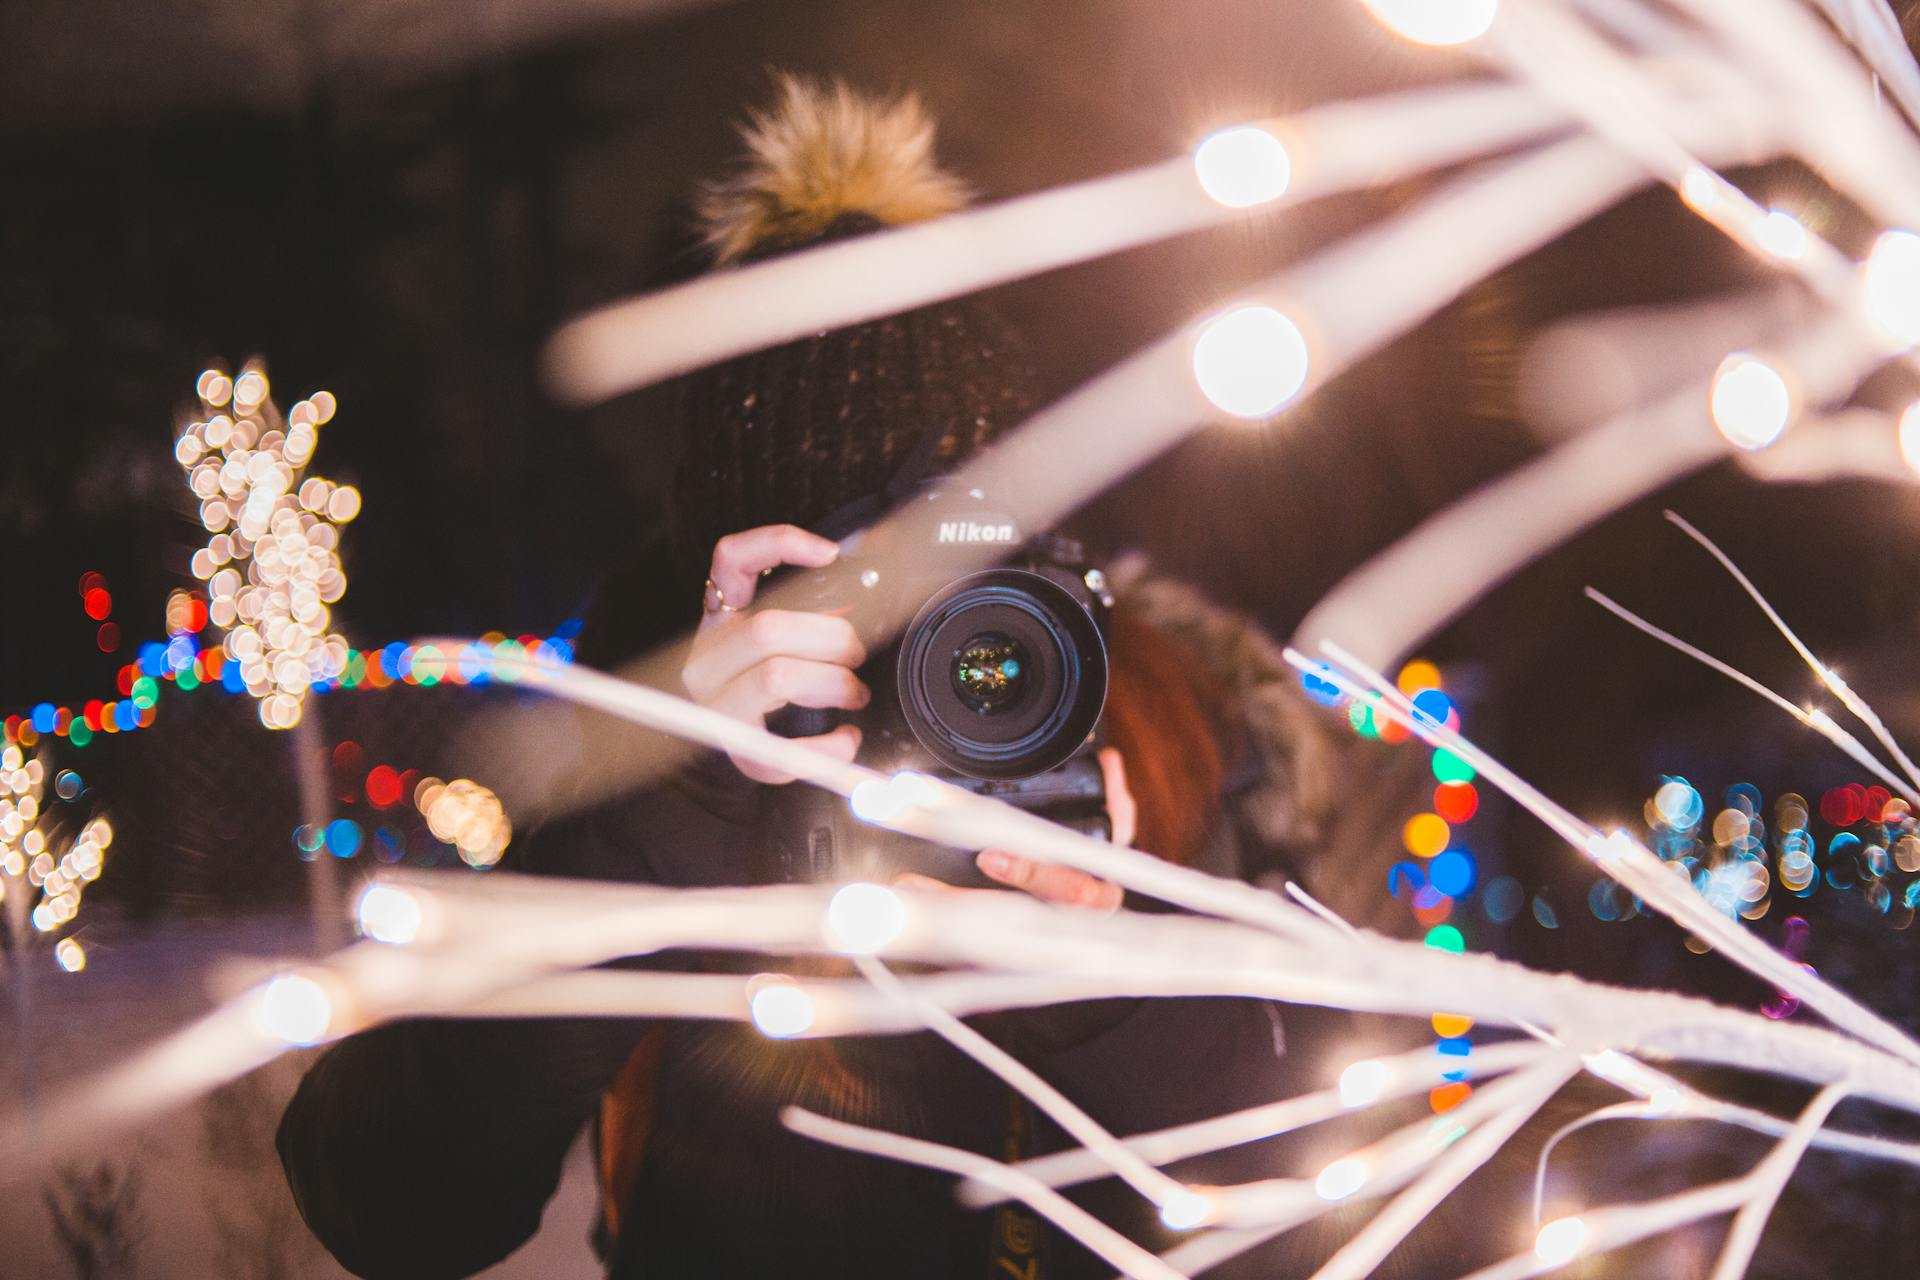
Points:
(996, 684)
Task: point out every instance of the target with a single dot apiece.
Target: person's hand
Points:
(1047, 881)
(748, 664)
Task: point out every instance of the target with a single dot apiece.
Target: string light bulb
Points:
(1362, 1083)
(1891, 287)
(887, 800)
(863, 919)
(1250, 361)
(1185, 1209)
(1751, 402)
(1342, 1178)
(1437, 22)
(1782, 235)
(294, 1008)
(1560, 1241)
(1243, 166)
(780, 1009)
(390, 914)
(1910, 436)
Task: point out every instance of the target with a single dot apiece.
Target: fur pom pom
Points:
(822, 152)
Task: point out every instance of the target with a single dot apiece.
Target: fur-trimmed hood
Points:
(1319, 804)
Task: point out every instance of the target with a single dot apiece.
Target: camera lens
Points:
(1002, 674)
(990, 672)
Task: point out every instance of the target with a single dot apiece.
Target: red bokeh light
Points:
(108, 637)
(383, 787)
(97, 603)
(1843, 806)
(1456, 801)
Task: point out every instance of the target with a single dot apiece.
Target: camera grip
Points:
(802, 722)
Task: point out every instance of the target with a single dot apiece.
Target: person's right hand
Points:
(747, 664)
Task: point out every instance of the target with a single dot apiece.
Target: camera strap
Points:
(1020, 1242)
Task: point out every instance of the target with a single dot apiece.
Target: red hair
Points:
(1170, 718)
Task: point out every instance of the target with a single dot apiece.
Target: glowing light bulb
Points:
(1243, 166)
(874, 800)
(1910, 436)
(781, 1009)
(1782, 235)
(294, 1008)
(391, 915)
(1363, 1083)
(1892, 287)
(887, 800)
(1610, 847)
(1341, 1178)
(70, 956)
(1751, 401)
(1184, 1210)
(865, 918)
(1559, 1241)
(1437, 22)
(1250, 361)
(1704, 191)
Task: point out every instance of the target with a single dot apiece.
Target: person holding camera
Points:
(1118, 703)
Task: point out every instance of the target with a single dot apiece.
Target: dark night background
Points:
(398, 202)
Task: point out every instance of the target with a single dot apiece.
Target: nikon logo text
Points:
(969, 531)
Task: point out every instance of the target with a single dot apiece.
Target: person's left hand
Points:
(1047, 881)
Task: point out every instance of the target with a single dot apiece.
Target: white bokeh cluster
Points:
(28, 863)
(467, 816)
(272, 564)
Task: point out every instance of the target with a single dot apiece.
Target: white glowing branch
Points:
(1818, 96)
(1407, 1074)
(1768, 1179)
(1372, 1243)
(1818, 721)
(1873, 29)
(1572, 66)
(1828, 676)
(1634, 866)
(1329, 149)
(1115, 1248)
(1117, 1156)
(1750, 1197)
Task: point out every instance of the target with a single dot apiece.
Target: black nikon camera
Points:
(996, 684)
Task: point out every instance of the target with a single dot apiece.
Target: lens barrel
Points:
(1002, 674)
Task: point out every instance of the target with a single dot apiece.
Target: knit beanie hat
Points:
(797, 433)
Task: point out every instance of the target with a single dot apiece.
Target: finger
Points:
(1048, 882)
(843, 744)
(731, 647)
(1122, 811)
(740, 558)
(781, 682)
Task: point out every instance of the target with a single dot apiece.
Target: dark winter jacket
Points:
(429, 1149)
